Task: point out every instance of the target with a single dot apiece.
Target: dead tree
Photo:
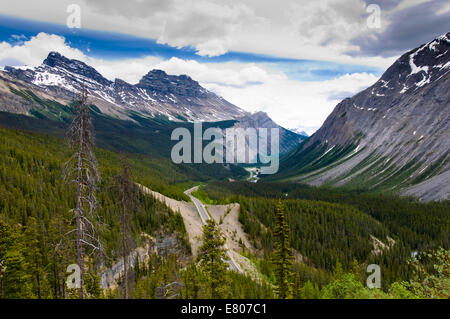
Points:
(169, 291)
(129, 205)
(81, 170)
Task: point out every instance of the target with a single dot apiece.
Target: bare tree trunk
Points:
(80, 255)
(79, 212)
(81, 170)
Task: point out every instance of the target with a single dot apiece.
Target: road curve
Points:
(204, 216)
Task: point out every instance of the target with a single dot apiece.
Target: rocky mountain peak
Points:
(391, 136)
(260, 119)
(55, 59)
(260, 114)
(163, 83)
(417, 67)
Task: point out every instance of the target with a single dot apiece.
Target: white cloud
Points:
(33, 51)
(205, 25)
(294, 104)
(330, 23)
(130, 70)
(251, 86)
(300, 29)
(231, 74)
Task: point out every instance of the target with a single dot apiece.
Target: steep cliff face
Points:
(395, 135)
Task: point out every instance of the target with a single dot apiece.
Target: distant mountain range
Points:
(157, 93)
(299, 132)
(43, 92)
(393, 136)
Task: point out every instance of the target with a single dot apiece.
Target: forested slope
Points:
(330, 226)
(36, 226)
(35, 209)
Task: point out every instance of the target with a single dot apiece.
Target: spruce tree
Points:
(16, 280)
(32, 253)
(14, 277)
(212, 258)
(129, 205)
(282, 256)
(296, 294)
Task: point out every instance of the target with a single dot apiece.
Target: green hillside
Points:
(36, 224)
(332, 225)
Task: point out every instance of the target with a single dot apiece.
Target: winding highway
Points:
(204, 216)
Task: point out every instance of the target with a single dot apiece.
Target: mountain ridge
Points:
(392, 136)
(157, 95)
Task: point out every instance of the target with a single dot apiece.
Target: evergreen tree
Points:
(310, 291)
(129, 204)
(191, 282)
(297, 291)
(7, 242)
(16, 280)
(212, 259)
(282, 256)
(14, 277)
(32, 252)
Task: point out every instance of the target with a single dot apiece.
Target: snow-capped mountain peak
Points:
(394, 134)
(416, 68)
(157, 93)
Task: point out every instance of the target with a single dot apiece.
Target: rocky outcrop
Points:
(288, 140)
(163, 245)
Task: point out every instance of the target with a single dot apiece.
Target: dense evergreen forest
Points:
(36, 243)
(330, 231)
(332, 227)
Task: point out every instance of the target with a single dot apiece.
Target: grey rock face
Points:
(162, 83)
(157, 93)
(400, 127)
(56, 60)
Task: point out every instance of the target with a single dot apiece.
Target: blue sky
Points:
(294, 59)
(118, 46)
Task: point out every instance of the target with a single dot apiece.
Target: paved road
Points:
(204, 216)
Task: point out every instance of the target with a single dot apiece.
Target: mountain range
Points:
(392, 136)
(157, 93)
(45, 90)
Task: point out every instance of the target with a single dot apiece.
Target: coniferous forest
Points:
(274, 152)
(330, 235)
